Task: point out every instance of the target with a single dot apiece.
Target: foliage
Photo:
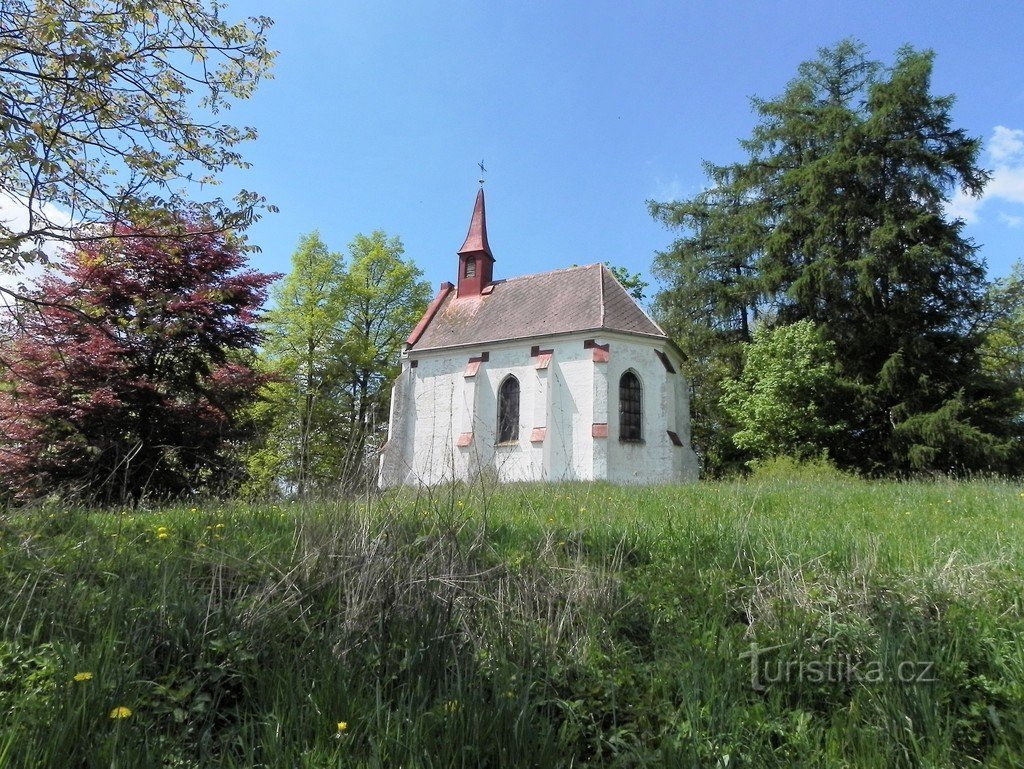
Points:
(633, 282)
(837, 216)
(386, 299)
(333, 336)
(127, 370)
(302, 436)
(781, 401)
(539, 625)
(109, 106)
(1003, 348)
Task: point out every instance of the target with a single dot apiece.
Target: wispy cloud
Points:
(1005, 152)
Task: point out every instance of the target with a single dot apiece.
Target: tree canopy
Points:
(110, 116)
(334, 334)
(836, 215)
(127, 373)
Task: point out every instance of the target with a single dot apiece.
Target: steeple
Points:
(476, 263)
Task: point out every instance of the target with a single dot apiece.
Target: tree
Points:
(301, 407)
(633, 282)
(334, 336)
(108, 117)
(128, 372)
(837, 216)
(781, 402)
(385, 300)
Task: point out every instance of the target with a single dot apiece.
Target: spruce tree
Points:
(837, 215)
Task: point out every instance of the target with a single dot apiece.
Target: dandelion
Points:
(162, 535)
(460, 501)
(83, 676)
(219, 526)
(120, 712)
(194, 510)
(342, 727)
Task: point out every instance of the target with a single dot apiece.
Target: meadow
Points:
(794, 618)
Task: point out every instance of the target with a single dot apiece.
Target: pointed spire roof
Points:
(476, 238)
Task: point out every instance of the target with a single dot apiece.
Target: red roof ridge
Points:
(442, 294)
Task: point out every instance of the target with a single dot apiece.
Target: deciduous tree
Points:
(783, 401)
(333, 339)
(304, 435)
(127, 373)
(110, 116)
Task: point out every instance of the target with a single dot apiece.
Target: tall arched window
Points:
(630, 408)
(508, 410)
(470, 267)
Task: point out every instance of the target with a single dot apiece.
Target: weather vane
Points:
(482, 171)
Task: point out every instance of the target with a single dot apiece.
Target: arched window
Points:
(630, 408)
(470, 267)
(508, 410)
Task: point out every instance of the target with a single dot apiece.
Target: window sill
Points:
(633, 441)
(506, 444)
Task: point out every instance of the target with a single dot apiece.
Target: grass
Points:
(527, 626)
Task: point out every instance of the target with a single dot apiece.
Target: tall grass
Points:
(534, 625)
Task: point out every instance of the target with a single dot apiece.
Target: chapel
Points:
(549, 377)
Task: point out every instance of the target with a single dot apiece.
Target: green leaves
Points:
(333, 340)
(837, 216)
(109, 109)
(781, 400)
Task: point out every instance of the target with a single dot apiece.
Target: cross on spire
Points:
(482, 172)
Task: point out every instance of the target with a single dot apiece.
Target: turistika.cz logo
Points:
(767, 669)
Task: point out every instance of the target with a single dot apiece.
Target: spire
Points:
(476, 262)
(476, 238)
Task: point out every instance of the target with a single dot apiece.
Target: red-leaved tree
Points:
(127, 374)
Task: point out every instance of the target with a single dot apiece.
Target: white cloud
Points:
(1005, 152)
(1006, 144)
(963, 206)
(14, 216)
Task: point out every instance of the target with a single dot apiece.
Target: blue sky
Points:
(379, 113)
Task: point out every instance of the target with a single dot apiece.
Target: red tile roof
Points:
(560, 302)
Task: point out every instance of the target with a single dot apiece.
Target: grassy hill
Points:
(532, 626)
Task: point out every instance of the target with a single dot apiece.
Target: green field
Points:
(533, 626)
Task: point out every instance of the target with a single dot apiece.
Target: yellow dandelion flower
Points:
(194, 510)
(219, 526)
(83, 676)
(120, 712)
(161, 528)
(162, 535)
(342, 726)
